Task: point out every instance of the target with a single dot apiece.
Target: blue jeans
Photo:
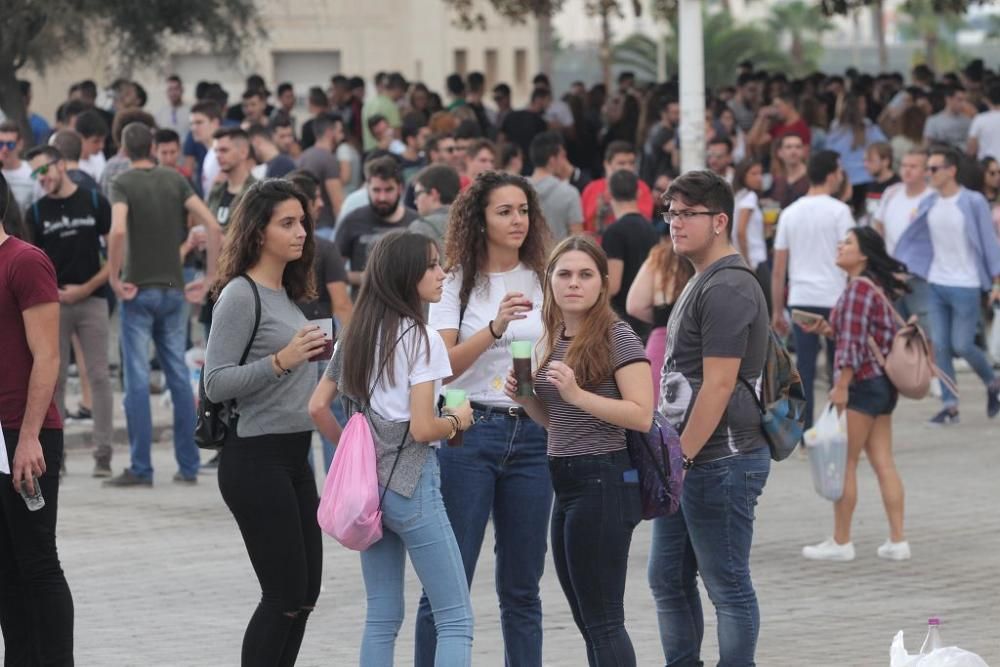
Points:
(417, 526)
(501, 469)
(159, 315)
(806, 352)
(955, 315)
(915, 302)
(711, 536)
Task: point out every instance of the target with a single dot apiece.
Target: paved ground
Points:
(160, 577)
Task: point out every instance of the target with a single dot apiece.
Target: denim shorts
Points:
(874, 396)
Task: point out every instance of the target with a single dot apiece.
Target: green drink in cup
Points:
(454, 398)
(520, 350)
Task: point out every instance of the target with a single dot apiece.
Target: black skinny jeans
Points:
(594, 515)
(36, 607)
(270, 489)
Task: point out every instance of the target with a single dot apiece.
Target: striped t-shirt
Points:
(572, 431)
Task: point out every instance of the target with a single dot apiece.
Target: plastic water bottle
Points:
(933, 640)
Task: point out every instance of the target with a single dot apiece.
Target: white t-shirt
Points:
(483, 381)
(24, 189)
(559, 112)
(810, 230)
(412, 366)
(896, 210)
(94, 165)
(209, 170)
(986, 129)
(952, 264)
(757, 252)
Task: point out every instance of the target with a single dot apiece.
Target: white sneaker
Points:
(894, 550)
(829, 550)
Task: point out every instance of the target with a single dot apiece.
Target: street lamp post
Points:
(692, 88)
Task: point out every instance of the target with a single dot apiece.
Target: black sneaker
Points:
(179, 478)
(212, 462)
(102, 468)
(993, 400)
(128, 478)
(946, 417)
(82, 414)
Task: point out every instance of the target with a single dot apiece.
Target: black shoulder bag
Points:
(216, 420)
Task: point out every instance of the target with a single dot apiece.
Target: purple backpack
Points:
(657, 457)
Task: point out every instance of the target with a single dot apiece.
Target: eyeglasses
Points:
(41, 170)
(686, 216)
(9, 145)
(418, 191)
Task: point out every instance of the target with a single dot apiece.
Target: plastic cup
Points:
(326, 326)
(520, 350)
(522, 281)
(454, 398)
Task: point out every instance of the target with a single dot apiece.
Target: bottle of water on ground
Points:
(933, 640)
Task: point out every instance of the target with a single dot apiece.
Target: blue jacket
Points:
(915, 249)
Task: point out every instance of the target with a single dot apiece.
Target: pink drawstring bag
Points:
(350, 508)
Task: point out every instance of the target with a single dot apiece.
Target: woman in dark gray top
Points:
(263, 474)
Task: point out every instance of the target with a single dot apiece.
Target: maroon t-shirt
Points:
(27, 279)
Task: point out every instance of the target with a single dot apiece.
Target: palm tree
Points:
(804, 24)
(727, 43)
(937, 30)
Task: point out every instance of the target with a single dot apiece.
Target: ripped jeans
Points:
(271, 491)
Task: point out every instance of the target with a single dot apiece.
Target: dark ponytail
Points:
(881, 267)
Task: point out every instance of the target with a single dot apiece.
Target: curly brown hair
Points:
(245, 235)
(465, 242)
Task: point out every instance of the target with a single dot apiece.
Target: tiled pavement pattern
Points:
(160, 577)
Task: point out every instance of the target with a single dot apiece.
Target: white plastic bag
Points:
(950, 656)
(826, 443)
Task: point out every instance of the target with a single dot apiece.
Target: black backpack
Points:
(217, 420)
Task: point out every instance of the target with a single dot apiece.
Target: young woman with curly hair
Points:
(593, 383)
(263, 474)
(495, 251)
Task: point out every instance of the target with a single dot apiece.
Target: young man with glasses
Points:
(15, 170)
(717, 336)
(68, 223)
(805, 247)
(952, 244)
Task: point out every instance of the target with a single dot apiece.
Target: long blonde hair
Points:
(669, 266)
(589, 354)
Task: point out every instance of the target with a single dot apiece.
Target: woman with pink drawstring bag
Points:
(383, 492)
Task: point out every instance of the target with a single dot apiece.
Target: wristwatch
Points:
(687, 463)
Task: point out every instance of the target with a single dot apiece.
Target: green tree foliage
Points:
(727, 43)
(45, 32)
(803, 24)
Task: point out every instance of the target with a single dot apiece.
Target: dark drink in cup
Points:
(326, 326)
(521, 352)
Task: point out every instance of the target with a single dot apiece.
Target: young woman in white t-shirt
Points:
(495, 252)
(391, 361)
(748, 228)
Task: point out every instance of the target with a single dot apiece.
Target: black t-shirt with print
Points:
(358, 232)
(69, 231)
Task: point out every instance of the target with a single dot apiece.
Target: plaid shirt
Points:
(861, 312)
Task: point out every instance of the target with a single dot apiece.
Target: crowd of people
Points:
(426, 236)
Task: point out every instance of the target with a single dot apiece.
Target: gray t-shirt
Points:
(560, 204)
(322, 164)
(947, 128)
(267, 404)
(721, 313)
